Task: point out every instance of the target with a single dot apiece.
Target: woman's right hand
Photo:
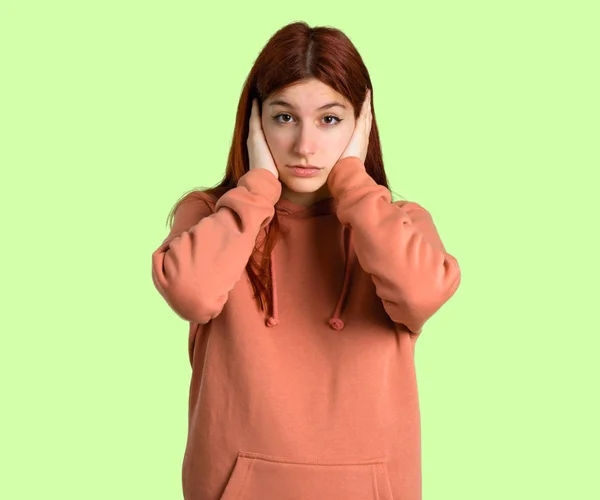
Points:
(259, 154)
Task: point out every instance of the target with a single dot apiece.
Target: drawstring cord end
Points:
(336, 323)
(272, 321)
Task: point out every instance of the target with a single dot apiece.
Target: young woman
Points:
(305, 291)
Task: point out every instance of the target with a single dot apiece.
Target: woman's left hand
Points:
(359, 142)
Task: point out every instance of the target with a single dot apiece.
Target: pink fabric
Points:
(302, 404)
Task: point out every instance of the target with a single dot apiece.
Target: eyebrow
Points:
(326, 106)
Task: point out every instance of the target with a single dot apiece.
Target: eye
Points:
(334, 117)
(328, 116)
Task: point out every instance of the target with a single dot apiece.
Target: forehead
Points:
(308, 96)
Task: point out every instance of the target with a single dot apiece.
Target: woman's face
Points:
(300, 133)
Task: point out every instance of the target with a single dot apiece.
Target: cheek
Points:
(272, 137)
(343, 139)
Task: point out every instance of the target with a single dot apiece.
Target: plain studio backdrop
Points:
(488, 116)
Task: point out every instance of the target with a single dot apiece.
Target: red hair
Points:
(294, 53)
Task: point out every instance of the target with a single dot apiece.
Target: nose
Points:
(305, 142)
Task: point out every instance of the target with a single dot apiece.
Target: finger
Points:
(368, 110)
(367, 102)
(363, 111)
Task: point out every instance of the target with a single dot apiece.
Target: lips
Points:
(304, 166)
(304, 171)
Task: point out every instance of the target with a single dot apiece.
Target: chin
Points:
(300, 185)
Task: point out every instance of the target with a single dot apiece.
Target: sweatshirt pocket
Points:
(265, 477)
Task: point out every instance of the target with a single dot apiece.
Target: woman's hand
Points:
(259, 154)
(359, 142)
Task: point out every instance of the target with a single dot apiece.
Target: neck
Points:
(305, 199)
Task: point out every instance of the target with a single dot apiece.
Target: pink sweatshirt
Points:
(318, 401)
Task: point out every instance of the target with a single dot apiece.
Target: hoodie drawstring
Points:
(274, 319)
(335, 321)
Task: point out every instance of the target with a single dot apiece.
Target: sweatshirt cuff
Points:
(348, 173)
(263, 182)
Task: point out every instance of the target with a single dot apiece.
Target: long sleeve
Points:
(205, 254)
(397, 243)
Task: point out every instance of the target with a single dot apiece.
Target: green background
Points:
(489, 117)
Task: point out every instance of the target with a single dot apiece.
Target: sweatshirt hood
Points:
(288, 208)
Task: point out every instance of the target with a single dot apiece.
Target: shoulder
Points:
(190, 209)
(410, 206)
(195, 201)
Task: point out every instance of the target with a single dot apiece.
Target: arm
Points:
(205, 254)
(396, 243)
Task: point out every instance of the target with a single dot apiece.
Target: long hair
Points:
(295, 52)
